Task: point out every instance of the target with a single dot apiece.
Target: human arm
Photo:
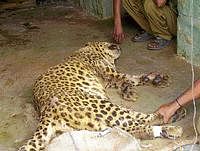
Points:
(118, 34)
(167, 110)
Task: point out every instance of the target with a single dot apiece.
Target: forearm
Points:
(117, 11)
(188, 95)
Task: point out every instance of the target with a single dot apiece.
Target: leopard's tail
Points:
(41, 138)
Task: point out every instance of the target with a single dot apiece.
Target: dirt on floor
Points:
(34, 38)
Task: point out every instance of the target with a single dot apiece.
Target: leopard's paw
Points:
(178, 115)
(171, 132)
(155, 78)
(129, 96)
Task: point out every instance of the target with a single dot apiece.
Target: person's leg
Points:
(136, 10)
(161, 20)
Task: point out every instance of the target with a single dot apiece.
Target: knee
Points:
(149, 6)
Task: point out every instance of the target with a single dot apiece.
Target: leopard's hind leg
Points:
(146, 126)
(141, 125)
(46, 130)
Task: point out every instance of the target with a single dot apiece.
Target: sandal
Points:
(158, 43)
(142, 37)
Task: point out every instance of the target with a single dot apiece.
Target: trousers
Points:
(159, 21)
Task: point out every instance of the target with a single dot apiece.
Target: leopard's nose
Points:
(114, 47)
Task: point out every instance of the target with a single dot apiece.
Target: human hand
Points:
(160, 3)
(167, 110)
(118, 34)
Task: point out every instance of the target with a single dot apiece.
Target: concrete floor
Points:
(33, 39)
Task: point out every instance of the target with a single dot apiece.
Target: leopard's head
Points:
(109, 50)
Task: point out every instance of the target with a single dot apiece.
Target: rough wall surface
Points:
(187, 11)
(98, 8)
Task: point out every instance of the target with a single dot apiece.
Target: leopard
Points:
(72, 96)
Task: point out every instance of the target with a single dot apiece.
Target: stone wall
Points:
(185, 24)
(99, 8)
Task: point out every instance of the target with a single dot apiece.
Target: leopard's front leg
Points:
(153, 78)
(124, 82)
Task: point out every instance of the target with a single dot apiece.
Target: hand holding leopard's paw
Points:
(155, 78)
